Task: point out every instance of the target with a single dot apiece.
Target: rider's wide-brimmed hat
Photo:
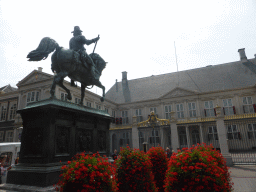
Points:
(76, 29)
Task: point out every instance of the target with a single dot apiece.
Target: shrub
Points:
(134, 171)
(159, 162)
(199, 168)
(87, 173)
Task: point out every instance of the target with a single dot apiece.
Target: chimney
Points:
(124, 76)
(40, 69)
(243, 57)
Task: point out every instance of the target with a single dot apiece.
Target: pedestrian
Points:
(168, 153)
(114, 155)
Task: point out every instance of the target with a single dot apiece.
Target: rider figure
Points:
(76, 43)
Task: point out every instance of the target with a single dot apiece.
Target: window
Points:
(106, 109)
(77, 101)
(227, 107)
(251, 131)
(63, 96)
(9, 136)
(125, 140)
(113, 113)
(192, 109)
(141, 138)
(247, 105)
(13, 111)
(167, 110)
(180, 110)
(88, 104)
(183, 137)
(154, 139)
(98, 107)
(32, 96)
(139, 116)
(195, 137)
(208, 109)
(3, 112)
(212, 133)
(124, 117)
(1, 136)
(152, 109)
(232, 132)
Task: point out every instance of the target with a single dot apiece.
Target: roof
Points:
(8, 88)
(226, 76)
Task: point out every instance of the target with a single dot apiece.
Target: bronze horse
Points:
(67, 62)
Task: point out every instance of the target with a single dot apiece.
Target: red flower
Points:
(200, 168)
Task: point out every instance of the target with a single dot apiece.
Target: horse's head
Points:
(99, 62)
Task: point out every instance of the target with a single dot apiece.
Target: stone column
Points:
(135, 133)
(174, 132)
(188, 136)
(201, 133)
(222, 137)
(162, 136)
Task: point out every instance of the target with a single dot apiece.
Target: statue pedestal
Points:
(55, 131)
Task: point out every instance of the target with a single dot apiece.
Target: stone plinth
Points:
(55, 131)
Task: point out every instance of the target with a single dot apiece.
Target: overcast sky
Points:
(135, 36)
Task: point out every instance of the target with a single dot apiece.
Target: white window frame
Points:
(228, 107)
(153, 109)
(33, 96)
(8, 138)
(248, 105)
(63, 96)
(125, 119)
(209, 109)
(1, 136)
(213, 133)
(232, 132)
(167, 110)
(13, 110)
(157, 138)
(88, 104)
(98, 106)
(251, 130)
(113, 113)
(3, 111)
(77, 100)
(141, 138)
(192, 109)
(138, 113)
(180, 113)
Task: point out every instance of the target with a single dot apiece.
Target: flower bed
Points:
(199, 168)
(159, 162)
(134, 171)
(87, 173)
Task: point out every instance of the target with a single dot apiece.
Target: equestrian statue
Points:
(74, 62)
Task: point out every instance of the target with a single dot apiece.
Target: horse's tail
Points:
(46, 46)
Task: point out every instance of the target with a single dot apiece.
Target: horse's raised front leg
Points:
(98, 84)
(82, 94)
(59, 81)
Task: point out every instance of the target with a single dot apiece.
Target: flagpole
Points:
(176, 61)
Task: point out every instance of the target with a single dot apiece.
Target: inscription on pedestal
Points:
(62, 140)
(83, 140)
(101, 140)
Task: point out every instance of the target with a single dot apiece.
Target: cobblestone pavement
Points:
(244, 178)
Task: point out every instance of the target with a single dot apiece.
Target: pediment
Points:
(178, 92)
(34, 77)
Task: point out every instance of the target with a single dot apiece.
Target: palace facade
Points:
(213, 105)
